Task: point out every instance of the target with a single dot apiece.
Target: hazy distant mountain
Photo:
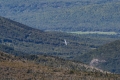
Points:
(107, 57)
(65, 15)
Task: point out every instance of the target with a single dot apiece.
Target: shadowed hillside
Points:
(29, 40)
(107, 57)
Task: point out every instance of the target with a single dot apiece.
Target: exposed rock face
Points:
(94, 62)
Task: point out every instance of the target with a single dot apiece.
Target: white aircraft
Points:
(65, 42)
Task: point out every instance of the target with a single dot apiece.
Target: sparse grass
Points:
(15, 68)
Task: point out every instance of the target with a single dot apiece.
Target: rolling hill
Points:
(19, 40)
(12, 67)
(29, 40)
(106, 57)
(23, 38)
(64, 15)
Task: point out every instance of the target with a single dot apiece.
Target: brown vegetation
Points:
(14, 68)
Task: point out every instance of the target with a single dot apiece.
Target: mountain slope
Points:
(29, 40)
(20, 69)
(106, 57)
(19, 39)
(23, 38)
(65, 15)
(17, 68)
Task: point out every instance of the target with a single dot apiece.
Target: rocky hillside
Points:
(16, 68)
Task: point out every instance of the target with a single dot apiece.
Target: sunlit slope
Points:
(17, 68)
